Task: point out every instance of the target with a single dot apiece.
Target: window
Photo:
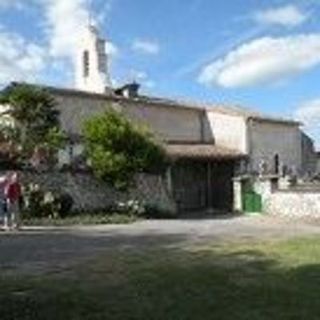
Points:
(102, 57)
(86, 66)
(276, 164)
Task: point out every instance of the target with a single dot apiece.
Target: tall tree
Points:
(35, 118)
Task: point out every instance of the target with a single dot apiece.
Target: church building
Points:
(208, 144)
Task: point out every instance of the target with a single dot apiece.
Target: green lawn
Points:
(273, 280)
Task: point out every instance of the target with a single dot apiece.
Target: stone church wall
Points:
(268, 139)
(169, 123)
(229, 130)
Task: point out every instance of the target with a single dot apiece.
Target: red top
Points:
(13, 191)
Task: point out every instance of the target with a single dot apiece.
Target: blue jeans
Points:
(12, 215)
(3, 207)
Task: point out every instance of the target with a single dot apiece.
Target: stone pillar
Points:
(237, 194)
(285, 183)
(264, 185)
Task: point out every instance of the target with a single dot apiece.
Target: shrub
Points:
(130, 207)
(38, 203)
(32, 201)
(65, 204)
(117, 149)
(156, 211)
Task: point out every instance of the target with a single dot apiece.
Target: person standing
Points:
(12, 194)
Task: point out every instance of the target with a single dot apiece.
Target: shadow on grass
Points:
(167, 282)
(53, 250)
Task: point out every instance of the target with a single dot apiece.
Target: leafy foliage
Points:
(39, 203)
(118, 149)
(35, 117)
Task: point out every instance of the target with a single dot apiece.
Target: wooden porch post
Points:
(169, 180)
(209, 186)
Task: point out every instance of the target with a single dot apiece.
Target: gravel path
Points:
(51, 249)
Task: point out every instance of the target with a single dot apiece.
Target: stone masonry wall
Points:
(295, 204)
(289, 201)
(89, 194)
(279, 198)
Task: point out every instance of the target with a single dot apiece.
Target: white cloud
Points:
(139, 75)
(105, 11)
(149, 84)
(146, 46)
(288, 16)
(64, 22)
(309, 114)
(142, 78)
(264, 61)
(111, 49)
(20, 60)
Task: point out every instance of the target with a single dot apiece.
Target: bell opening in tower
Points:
(86, 66)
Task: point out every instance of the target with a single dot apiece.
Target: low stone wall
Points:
(296, 204)
(279, 198)
(90, 194)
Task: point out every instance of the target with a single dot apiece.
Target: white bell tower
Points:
(91, 66)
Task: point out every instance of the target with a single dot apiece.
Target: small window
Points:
(276, 164)
(102, 57)
(86, 66)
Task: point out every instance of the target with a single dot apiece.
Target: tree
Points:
(35, 117)
(117, 149)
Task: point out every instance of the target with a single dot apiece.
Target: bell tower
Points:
(91, 62)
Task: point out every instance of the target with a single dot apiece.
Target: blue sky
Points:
(258, 54)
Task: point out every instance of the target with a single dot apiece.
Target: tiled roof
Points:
(180, 103)
(234, 110)
(202, 151)
(186, 104)
(111, 96)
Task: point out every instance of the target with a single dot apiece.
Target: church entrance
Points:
(220, 188)
(189, 185)
(198, 185)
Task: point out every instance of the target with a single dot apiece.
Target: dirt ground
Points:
(47, 249)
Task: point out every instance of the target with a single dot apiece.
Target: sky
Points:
(262, 55)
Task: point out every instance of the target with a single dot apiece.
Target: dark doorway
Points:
(221, 189)
(198, 185)
(276, 164)
(189, 184)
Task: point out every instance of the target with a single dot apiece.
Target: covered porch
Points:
(200, 176)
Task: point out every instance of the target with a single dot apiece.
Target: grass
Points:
(83, 219)
(256, 281)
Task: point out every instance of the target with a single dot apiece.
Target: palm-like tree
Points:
(34, 115)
